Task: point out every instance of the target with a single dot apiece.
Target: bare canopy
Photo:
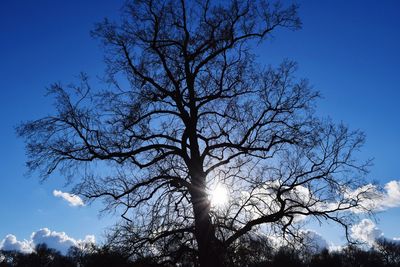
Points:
(189, 108)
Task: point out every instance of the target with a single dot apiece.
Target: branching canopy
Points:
(189, 106)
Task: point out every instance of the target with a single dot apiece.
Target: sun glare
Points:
(218, 196)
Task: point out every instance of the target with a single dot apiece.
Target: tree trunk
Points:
(211, 252)
(209, 247)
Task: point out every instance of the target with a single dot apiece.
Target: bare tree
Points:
(389, 250)
(189, 109)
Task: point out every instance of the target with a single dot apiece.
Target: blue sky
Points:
(349, 50)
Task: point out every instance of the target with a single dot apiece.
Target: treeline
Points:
(43, 256)
(385, 253)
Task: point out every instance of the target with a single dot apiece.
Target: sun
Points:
(218, 196)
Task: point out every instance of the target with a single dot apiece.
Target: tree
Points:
(355, 256)
(189, 109)
(42, 256)
(326, 258)
(389, 251)
(287, 257)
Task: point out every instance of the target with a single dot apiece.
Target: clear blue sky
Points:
(349, 50)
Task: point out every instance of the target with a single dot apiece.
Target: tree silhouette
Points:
(356, 257)
(41, 257)
(287, 257)
(389, 250)
(249, 253)
(188, 108)
(326, 259)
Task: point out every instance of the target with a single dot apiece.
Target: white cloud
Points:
(366, 197)
(371, 198)
(10, 243)
(366, 231)
(314, 241)
(308, 240)
(380, 200)
(391, 198)
(72, 199)
(56, 240)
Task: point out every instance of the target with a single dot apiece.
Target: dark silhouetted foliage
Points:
(251, 253)
(42, 257)
(389, 251)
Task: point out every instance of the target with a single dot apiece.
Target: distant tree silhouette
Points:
(79, 255)
(356, 257)
(250, 253)
(105, 257)
(3, 259)
(92, 256)
(287, 257)
(326, 259)
(189, 107)
(389, 251)
(41, 257)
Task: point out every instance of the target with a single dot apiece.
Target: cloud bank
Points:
(391, 196)
(56, 240)
(367, 232)
(314, 241)
(376, 199)
(72, 199)
(10, 242)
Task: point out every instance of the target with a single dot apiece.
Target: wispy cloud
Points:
(370, 197)
(72, 199)
(381, 199)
